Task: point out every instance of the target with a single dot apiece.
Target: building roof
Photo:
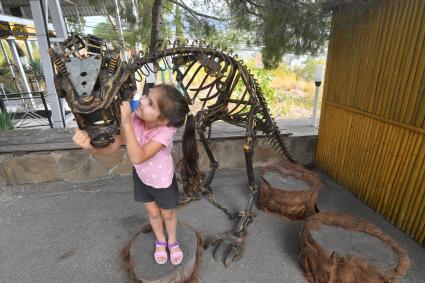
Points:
(69, 8)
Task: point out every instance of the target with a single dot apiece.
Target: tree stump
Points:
(338, 247)
(289, 190)
(139, 260)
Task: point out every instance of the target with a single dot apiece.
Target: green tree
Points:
(278, 26)
(148, 21)
(106, 31)
(178, 22)
(289, 26)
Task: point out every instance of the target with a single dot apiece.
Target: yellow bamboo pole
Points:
(420, 116)
(398, 184)
(332, 155)
(379, 165)
(399, 157)
(400, 60)
(416, 68)
(324, 133)
(392, 67)
(394, 146)
(354, 151)
(383, 36)
(371, 164)
(339, 127)
(394, 54)
(408, 65)
(375, 17)
(383, 71)
(420, 206)
(413, 98)
(355, 58)
(415, 201)
(344, 146)
(405, 180)
(366, 138)
(321, 141)
(410, 187)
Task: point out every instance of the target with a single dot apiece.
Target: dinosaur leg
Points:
(230, 245)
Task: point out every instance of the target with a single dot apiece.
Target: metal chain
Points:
(210, 198)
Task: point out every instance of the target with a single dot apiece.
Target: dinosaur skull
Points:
(94, 81)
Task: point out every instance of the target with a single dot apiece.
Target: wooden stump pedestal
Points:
(337, 247)
(139, 260)
(289, 190)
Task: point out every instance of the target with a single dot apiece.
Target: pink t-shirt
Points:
(158, 171)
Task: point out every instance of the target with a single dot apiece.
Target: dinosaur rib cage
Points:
(226, 88)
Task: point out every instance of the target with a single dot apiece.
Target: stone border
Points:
(78, 165)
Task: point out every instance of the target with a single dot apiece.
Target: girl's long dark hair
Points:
(174, 107)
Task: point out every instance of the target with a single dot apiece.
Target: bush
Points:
(6, 121)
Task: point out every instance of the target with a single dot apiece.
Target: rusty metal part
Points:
(92, 85)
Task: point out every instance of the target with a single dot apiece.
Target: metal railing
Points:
(28, 109)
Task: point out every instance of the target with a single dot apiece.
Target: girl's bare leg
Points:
(155, 219)
(171, 225)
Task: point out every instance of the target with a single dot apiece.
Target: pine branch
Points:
(193, 12)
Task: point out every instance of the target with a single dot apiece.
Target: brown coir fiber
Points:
(319, 266)
(290, 204)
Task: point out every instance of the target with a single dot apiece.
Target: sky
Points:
(92, 21)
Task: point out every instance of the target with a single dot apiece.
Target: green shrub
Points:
(6, 121)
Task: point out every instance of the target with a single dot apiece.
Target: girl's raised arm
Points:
(82, 139)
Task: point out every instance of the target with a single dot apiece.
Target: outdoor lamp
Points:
(318, 75)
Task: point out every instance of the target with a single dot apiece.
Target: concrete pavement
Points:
(74, 232)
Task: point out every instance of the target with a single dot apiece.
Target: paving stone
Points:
(125, 167)
(30, 169)
(72, 160)
(88, 170)
(3, 158)
(110, 160)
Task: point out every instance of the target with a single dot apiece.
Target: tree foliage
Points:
(291, 26)
(278, 26)
(281, 27)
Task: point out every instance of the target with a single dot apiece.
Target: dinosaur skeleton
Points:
(94, 81)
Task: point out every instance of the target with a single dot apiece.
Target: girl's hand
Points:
(125, 113)
(82, 139)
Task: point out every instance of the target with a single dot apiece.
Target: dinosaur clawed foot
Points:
(229, 247)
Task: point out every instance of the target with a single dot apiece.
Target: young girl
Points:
(148, 134)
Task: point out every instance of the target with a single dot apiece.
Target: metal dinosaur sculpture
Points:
(94, 80)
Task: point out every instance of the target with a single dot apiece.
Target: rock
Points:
(125, 167)
(28, 169)
(71, 160)
(89, 170)
(110, 160)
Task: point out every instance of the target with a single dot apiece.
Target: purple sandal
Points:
(158, 255)
(175, 255)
